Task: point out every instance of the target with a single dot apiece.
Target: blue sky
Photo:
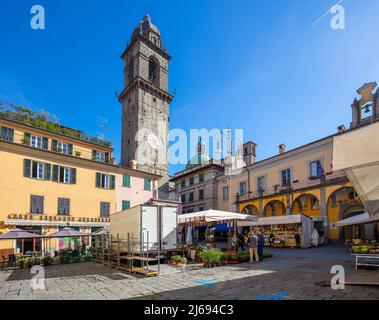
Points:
(257, 65)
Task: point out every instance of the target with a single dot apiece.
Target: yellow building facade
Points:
(302, 180)
(50, 181)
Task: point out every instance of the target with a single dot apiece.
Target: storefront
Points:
(284, 230)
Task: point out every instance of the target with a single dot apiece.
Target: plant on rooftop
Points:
(46, 121)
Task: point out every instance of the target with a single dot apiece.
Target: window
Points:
(126, 180)
(64, 174)
(201, 209)
(183, 198)
(36, 141)
(6, 134)
(201, 178)
(61, 147)
(243, 189)
(286, 177)
(190, 196)
(37, 170)
(105, 181)
(183, 183)
(147, 184)
(100, 156)
(192, 181)
(63, 206)
(36, 204)
(153, 70)
(125, 204)
(261, 183)
(104, 209)
(315, 169)
(225, 193)
(201, 194)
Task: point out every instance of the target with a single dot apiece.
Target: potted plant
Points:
(175, 260)
(211, 257)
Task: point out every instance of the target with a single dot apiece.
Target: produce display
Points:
(282, 233)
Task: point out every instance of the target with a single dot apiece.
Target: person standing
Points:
(241, 241)
(261, 243)
(253, 245)
(271, 239)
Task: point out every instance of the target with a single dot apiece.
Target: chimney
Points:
(133, 164)
(341, 128)
(282, 148)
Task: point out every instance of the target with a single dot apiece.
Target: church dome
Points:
(198, 159)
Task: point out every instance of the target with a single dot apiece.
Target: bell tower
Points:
(145, 101)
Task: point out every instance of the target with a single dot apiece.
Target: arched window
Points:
(153, 70)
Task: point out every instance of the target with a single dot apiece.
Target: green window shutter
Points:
(69, 149)
(93, 154)
(126, 180)
(54, 145)
(98, 179)
(113, 182)
(45, 143)
(147, 184)
(47, 171)
(26, 139)
(73, 176)
(55, 172)
(125, 204)
(27, 167)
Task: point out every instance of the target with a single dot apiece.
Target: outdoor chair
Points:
(4, 261)
(12, 260)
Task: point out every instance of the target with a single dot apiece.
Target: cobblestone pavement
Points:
(290, 274)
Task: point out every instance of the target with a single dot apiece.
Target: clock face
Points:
(153, 141)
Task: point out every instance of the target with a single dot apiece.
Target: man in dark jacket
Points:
(253, 245)
(261, 243)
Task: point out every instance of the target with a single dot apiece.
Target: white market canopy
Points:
(357, 152)
(210, 216)
(357, 219)
(277, 220)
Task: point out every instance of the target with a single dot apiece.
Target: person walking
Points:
(261, 243)
(253, 245)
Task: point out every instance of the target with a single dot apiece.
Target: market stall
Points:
(283, 229)
(211, 220)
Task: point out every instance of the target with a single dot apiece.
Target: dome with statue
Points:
(200, 158)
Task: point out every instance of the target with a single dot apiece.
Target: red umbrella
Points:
(19, 234)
